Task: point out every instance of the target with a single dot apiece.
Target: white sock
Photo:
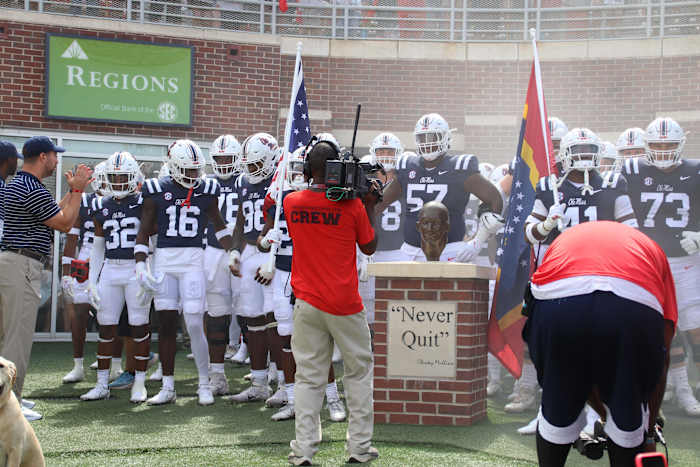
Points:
(78, 362)
(198, 341)
(272, 368)
(259, 377)
(280, 378)
(289, 389)
(102, 377)
(117, 363)
(140, 377)
(679, 376)
(217, 368)
(332, 391)
(494, 369)
(529, 376)
(169, 382)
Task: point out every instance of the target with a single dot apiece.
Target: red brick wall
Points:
(245, 95)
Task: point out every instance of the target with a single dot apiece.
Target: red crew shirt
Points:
(610, 249)
(324, 236)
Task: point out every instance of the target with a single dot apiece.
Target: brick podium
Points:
(430, 342)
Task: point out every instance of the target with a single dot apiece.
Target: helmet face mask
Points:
(609, 158)
(580, 150)
(386, 148)
(432, 136)
(99, 183)
(664, 143)
(258, 157)
(295, 171)
(122, 174)
(225, 154)
(631, 143)
(186, 163)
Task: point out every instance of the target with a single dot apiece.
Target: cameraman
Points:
(328, 307)
(604, 298)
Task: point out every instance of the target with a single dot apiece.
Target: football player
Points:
(222, 287)
(179, 208)
(584, 195)
(665, 190)
(557, 130)
(117, 220)
(631, 143)
(75, 274)
(436, 175)
(258, 157)
(610, 160)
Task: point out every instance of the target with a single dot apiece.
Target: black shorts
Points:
(602, 340)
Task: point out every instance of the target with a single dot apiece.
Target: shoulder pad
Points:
(404, 161)
(209, 186)
(543, 184)
(610, 179)
(84, 201)
(462, 162)
(153, 186)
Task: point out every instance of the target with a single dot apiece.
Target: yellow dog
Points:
(18, 443)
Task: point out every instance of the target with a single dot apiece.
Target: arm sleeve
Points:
(623, 207)
(41, 204)
(365, 232)
(97, 257)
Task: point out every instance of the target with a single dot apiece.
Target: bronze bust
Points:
(433, 226)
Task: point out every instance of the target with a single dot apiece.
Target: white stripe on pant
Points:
(312, 346)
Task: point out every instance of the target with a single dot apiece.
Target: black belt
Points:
(43, 259)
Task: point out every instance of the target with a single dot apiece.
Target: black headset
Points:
(312, 142)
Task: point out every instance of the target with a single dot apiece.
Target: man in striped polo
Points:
(8, 166)
(30, 215)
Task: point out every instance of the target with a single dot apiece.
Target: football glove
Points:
(94, 295)
(690, 242)
(234, 262)
(489, 224)
(271, 237)
(146, 281)
(556, 212)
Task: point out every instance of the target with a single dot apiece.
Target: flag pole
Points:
(282, 169)
(543, 122)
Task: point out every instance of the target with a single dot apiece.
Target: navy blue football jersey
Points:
(181, 225)
(87, 225)
(251, 198)
(228, 206)
(444, 183)
(598, 206)
(666, 203)
(390, 228)
(120, 220)
(283, 259)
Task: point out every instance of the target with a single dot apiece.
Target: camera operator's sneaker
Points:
(93, 365)
(218, 383)
(97, 393)
(115, 372)
(285, 413)
(688, 402)
(524, 400)
(165, 396)
(76, 375)
(158, 374)
(278, 399)
(125, 381)
(529, 429)
(337, 356)
(254, 393)
(242, 353)
(28, 404)
(31, 415)
(336, 409)
(367, 456)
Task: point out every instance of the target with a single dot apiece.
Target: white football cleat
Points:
(278, 399)
(31, 415)
(247, 361)
(157, 375)
(205, 395)
(529, 429)
(272, 377)
(493, 388)
(76, 375)
(165, 396)
(241, 355)
(218, 383)
(516, 390)
(248, 377)
(97, 393)
(230, 352)
(336, 409)
(28, 404)
(688, 402)
(115, 372)
(93, 365)
(138, 393)
(190, 356)
(285, 413)
(253, 394)
(524, 400)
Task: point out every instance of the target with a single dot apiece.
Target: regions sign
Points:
(118, 81)
(421, 337)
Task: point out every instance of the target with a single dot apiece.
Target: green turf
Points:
(115, 432)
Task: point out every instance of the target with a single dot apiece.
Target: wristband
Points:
(139, 248)
(74, 231)
(66, 260)
(76, 191)
(542, 229)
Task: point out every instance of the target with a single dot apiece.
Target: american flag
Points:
(300, 131)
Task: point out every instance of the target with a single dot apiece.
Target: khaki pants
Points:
(312, 346)
(20, 295)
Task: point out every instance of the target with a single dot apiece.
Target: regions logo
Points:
(74, 51)
(412, 174)
(648, 181)
(167, 111)
(168, 196)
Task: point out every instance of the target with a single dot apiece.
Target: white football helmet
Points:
(164, 171)
(580, 150)
(498, 173)
(295, 170)
(186, 163)
(609, 158)
(666, 131)
(485, 169)
(386, 142)
(328, 137)
(557, 130)
(122, 173)
(99, 182)
(432, 136)
(258, 157)
(227, 150)
(630, 143)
